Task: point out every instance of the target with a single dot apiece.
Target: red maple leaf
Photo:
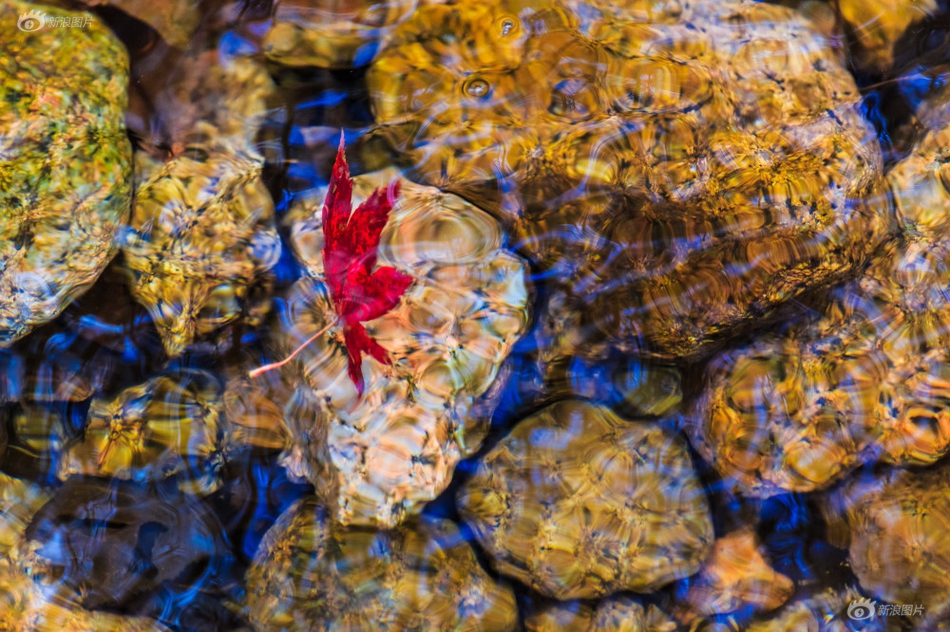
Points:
(359, 290)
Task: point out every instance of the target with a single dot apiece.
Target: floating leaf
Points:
(358, 289)
(359, 293)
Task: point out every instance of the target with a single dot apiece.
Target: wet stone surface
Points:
(201, 241)
(578, 503)
(684, 170)
(636, 318)
(311, 574)
(168, 426)
(895, 528)
(395, 447)
(876, 26)
(32, 598)
(113, 543)
(331, 34)
(736, 576)
(864, 379)
(614, 614)
(65, 164)
(175, 20)
(825, 611)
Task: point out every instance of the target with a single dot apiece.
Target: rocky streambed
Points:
(520, 314)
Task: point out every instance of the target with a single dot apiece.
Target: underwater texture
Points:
(393, 447)
(708, 190)
(864, 382)
(65, 170)
(309, 574)
(577, 503)
(431, 315)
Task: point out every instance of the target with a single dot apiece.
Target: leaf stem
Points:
(277, 365)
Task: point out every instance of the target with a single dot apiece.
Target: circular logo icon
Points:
(861, 609)
(32, 21)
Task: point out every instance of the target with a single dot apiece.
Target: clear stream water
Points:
(153, 550)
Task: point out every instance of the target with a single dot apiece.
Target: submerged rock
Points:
(254, 416)
(613, 614)
(115, 545)
(876, 26)
(567, 359)
(202, 239)
(921, 181)
(37, 436)
(31, 599)
(649, 390)
(331, 34)
(19, 501)
(102, 342)
(41, 614)
(784, 415)
(736, 576)
(683, 167)
(311, 573)
(168, 426)
(896, 527)
(65, 161)
(865, 379)
(383, 455)
(175, 20)
(577, 503)
(216, 93)
(827, 611)
(798, 413)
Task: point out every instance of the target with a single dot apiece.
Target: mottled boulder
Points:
(865, 378)
(65, 161)
(331, 34)
(168, 426)
(578, 503)
(683, 168)
(383, 455)
(613, 614)
(311, 573)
